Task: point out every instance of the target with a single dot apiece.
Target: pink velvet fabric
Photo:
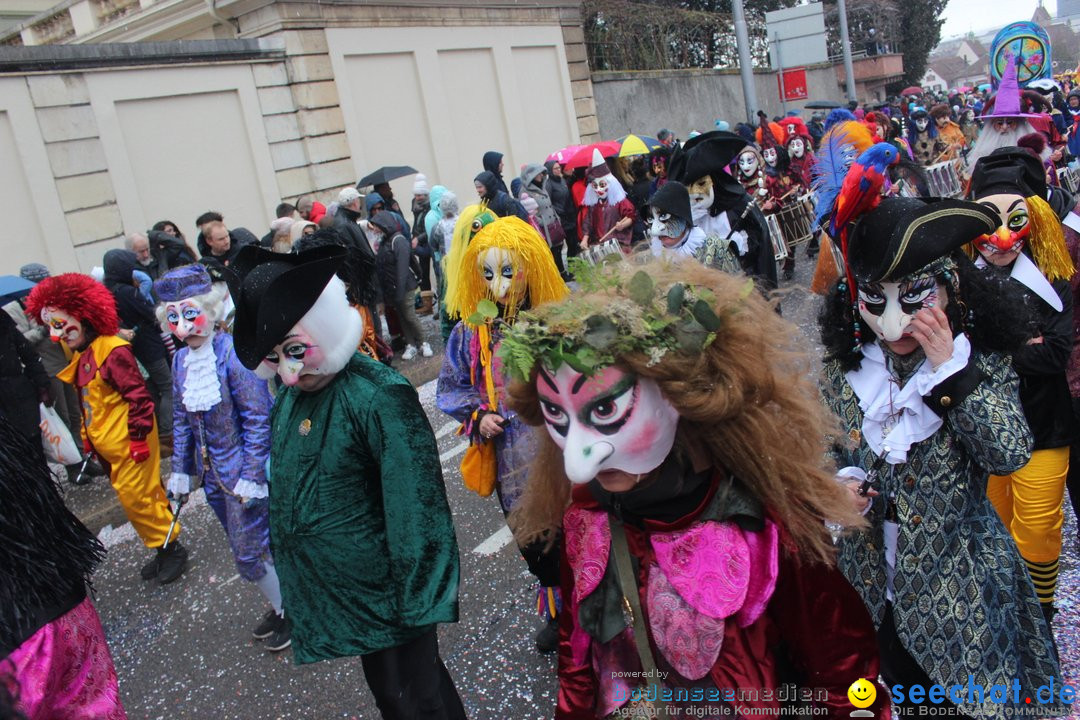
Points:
(64, 670)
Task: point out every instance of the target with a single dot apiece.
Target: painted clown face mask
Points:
(608, 426)
(187, 321)
(748, 164)
(921, 124)
(298, 360)
(888, 307)
(667, 228)
(504, 275)
(770, 155)
(701, 196)
(64, 327)
(1004, 244)
(600, 186)
(796, 147)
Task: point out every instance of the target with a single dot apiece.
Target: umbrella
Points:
(964, 88)
(822, 105)
(583, 157)
(385, 174)
(630, 145)
(913, 90)
(561, 156)
(13, 287)
(984, 86)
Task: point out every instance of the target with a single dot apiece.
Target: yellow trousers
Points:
(138, 487)
(1030, 502)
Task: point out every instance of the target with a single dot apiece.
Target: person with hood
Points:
(442, 241)
(398, 282)
(137, 319)
(431, 221)
(563, 201)
(385, 192)
(534, 184)
(669, 224)
(488, 188)
(493, 163)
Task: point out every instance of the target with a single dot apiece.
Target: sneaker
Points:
(425, 350)
(267, 626)
(282, 637)
(172, 562)
(547, 640)
(410, 352)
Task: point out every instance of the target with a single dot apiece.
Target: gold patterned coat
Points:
(964, 603)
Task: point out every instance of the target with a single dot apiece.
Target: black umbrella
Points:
(822, 105)
(385, 175)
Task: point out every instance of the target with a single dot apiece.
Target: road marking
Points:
(447, 429)
(456, 450)
(495, 543)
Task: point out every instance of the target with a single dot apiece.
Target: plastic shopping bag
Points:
(59, 446)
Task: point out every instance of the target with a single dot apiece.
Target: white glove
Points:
(179, 484)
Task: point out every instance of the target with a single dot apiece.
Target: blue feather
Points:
(834, 157)
(838, 115)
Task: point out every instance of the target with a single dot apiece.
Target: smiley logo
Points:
(862, 693)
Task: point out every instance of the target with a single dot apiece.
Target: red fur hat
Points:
(1035, 142)
(78, 295)
(794, 126)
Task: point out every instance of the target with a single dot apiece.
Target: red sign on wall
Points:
(793, 85)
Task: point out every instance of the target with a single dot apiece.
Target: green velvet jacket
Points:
(360, 527)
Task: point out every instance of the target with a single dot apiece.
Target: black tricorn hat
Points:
(902, 235)
(274, 293)
(705, 154)
(1010, 170)
(672, 198)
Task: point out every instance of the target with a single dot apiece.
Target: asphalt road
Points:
(185, 651)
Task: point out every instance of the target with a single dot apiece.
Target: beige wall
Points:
(438, 98)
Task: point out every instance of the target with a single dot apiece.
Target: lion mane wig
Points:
(78, 295)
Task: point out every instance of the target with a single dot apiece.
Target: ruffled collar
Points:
(202, 389)
(894, 417)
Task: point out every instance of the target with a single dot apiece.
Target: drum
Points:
(1069, 178)
(944, 181)
(607, 251)
(796, 221)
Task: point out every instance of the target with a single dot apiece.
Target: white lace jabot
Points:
(202, 389)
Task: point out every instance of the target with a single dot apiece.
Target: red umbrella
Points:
(583, 157)
(913, 90)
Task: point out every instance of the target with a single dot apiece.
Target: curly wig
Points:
(747, 402)
(79, 295)
(985, 306)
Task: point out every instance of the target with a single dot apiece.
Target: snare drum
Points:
(780, 249)
(796, 221)
(944, 180)
(607, 251)
(1069, 178)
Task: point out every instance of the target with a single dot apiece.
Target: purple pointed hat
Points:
(1006, 102)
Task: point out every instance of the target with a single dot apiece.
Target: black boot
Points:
(150, 570)
(172, 562)
(1049, 611)
(547, 640)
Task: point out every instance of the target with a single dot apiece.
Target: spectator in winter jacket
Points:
(487, 187)
(220, 243)
(387, 194)
(309, 209)
(534, 184)
(563, 201)
(398, 282)
(283, 210)
(138, 319)
(158, 252)
(421, 205)
(238, 237)
(493, 163)
(345, 219)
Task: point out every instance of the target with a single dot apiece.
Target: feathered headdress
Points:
(838, 115)
(469, 222)
(529, 253)
(839, 148)
(78, 295)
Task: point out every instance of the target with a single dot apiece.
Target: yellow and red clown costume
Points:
(118, 422)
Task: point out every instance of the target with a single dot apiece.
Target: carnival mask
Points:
(797, 147)
(701, 195)
(770, 156)
(63, 327)
(502, 273)
(600, 187)
(610, 421)
(887, 307)
(921, 123)
(669, 229)
(187, 321)
(942, 121)
(1005, 243)
(296, 356)
(659, 167)
(748, 164)
(879, 131)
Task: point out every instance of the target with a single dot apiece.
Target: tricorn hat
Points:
(1009, 170)
(274, 293)
(903, 235)
(674, 199)
(706, 154)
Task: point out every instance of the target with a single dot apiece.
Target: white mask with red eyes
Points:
(770, 156)
(796, 147)
(295, 356)
(612, 420)
(186, 319)
(888, 307)
(600, 186)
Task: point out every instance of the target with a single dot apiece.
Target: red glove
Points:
(140, 451)
(87, 448)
